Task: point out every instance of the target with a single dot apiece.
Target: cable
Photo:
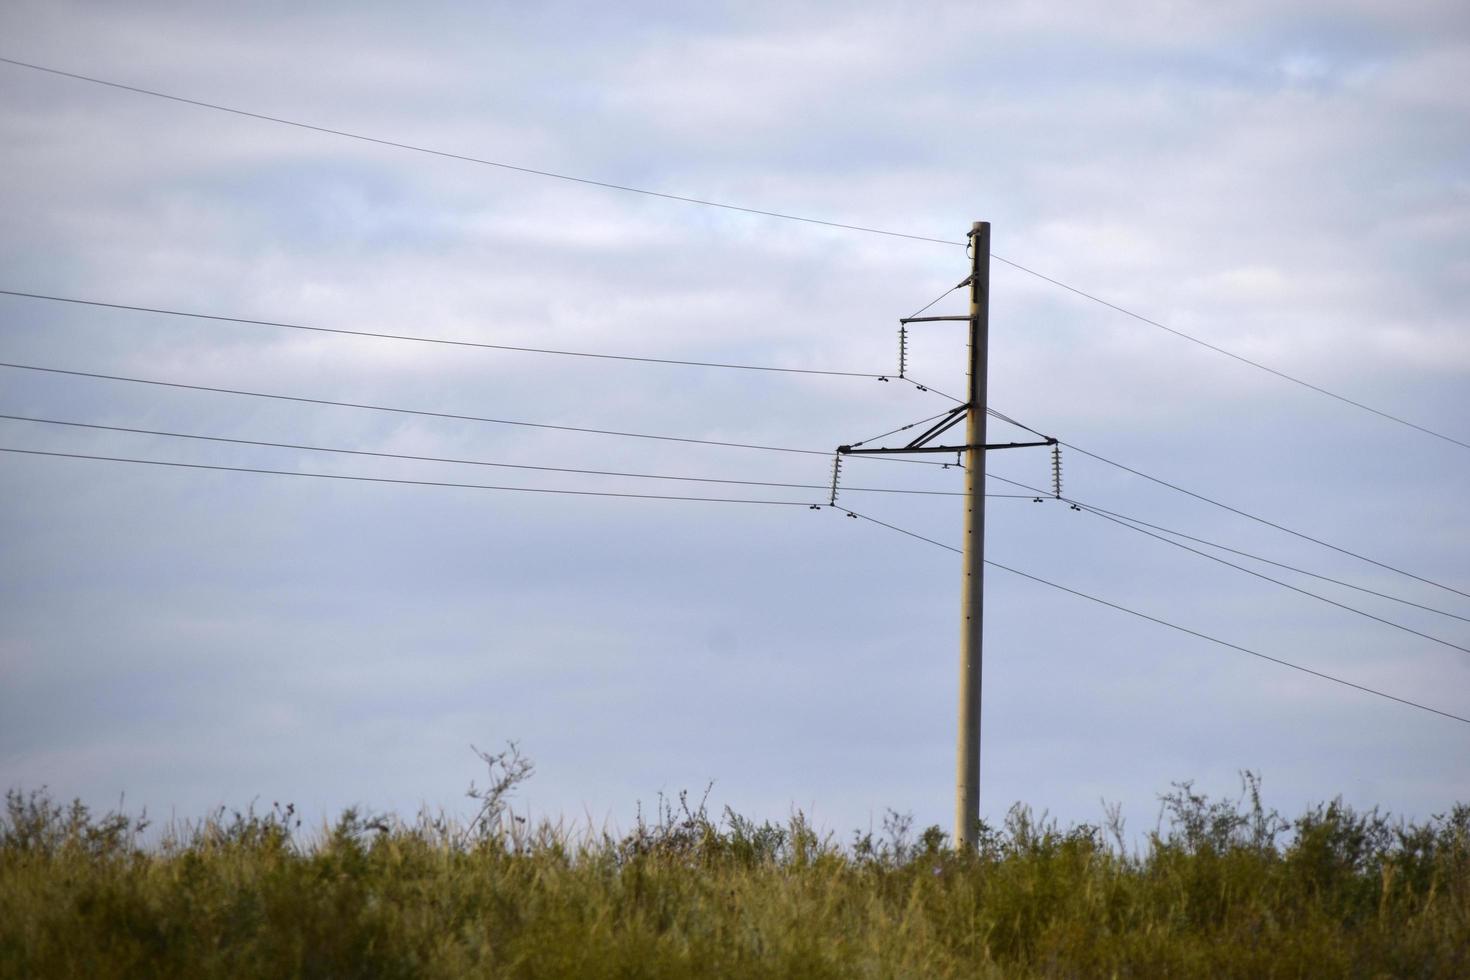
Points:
(1006, 418)
(473, 462)
(415, 483)
(1261, 558)
(1128, 521)
(923, 387)
(1173, 626)
(722, 206)
(477, 160)
(1244, 360)
(1017, 483)
(1103, 511)
(431, 340)
(1262, 520)
(923, 309)
(438, 415)
(901, 428)
(1277, 581)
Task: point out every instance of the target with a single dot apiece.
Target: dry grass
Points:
(1224, 889)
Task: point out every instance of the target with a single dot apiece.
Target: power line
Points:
(1129, 521)
(473, 462)
(414, 483)
(1007, 419)
(1268, 561)
(1262, 520)
(432, 340)
(1239, 357)
(901, 428)
(608, 185)
(923, 387)
(1173, 626)
(464, 158)
(923, 309)
(1277, 581)
(426, 414)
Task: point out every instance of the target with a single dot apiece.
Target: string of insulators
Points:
(903, 350)
(836, 475)
(1056, 470)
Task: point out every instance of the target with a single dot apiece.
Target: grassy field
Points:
(1222, 889)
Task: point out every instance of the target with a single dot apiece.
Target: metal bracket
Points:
(853, 451)
(934, 319)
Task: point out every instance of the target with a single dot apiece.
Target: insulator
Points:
(836, 475)
(1056, 470)
(903, 350)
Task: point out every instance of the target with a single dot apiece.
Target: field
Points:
(1223, 888)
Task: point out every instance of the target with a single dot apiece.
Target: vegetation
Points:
(1223, 888)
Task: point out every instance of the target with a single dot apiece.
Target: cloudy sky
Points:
(1288, 181)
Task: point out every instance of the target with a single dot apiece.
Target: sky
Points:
(1288, 181)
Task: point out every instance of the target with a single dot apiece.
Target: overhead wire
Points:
(702, 202)
(1238, 357)
(1277, 581)
(465, 158)
(416, 483)
(1128, 522)
(1174, 626)
(1269, 561)
(467, 462)
(428, 414)
(901, 428)
(433, 340)
(926, 307)
(1261, 520)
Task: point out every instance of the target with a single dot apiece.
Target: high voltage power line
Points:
(1261, 520)
(427, 414)
(1269, 561)
(460, 417)
(1285, 585)
(475, 462)
(434, 340)
(1040, 495)
(681, 439)
(975, 404)
(1037, 492)
(702, 202)
(1126, 520)
(709, 364)
(730, 500)
(1174, 626)
(414, 483)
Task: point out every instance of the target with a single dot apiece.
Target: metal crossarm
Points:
(851, 451)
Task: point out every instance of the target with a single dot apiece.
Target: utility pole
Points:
(972, 596)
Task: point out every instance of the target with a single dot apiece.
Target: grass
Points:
(1224, 888)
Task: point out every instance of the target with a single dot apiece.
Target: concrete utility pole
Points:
(972, 598)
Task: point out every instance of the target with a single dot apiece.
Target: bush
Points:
(1221, 888)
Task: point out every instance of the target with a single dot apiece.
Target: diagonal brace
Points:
(950, 419)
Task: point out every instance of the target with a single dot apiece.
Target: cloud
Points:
(1288, 183)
